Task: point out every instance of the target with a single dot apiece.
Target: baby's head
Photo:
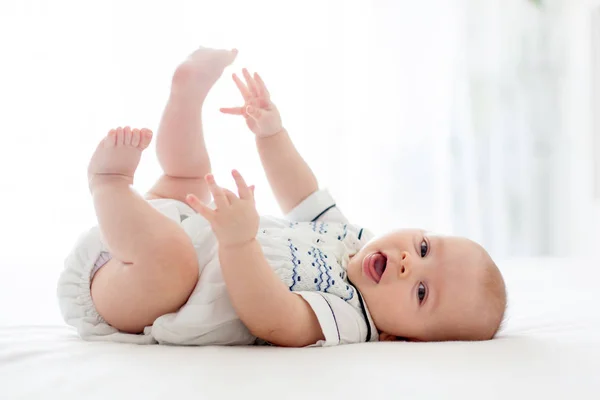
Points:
(424, 287)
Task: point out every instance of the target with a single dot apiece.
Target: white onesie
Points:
(309, 250)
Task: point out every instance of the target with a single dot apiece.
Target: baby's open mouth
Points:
(374, 264)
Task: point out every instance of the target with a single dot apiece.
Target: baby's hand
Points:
(235, 220)
(262, 117)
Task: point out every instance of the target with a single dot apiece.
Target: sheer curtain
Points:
(408, 111)
(594, 27)
(506, 137)
(521, 138)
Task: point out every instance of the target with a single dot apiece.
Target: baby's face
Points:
(421, 286)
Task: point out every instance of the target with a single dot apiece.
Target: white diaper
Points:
(74, 296)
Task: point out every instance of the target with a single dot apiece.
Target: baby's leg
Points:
(153, 268)
(180, 143)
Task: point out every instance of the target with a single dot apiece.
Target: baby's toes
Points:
(127, 137)
(120, 136)
(111, 139)
(145, 138)
(135, 138)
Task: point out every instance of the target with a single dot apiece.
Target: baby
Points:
(175, 268)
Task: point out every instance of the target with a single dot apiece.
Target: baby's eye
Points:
(424, 248)
(421, 292)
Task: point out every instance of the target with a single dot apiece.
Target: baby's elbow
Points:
(294, 324)
(290, 336)
(284, 338)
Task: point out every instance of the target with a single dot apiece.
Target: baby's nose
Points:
(404, 269)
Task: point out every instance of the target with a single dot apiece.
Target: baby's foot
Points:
(201, 70)
(118, 154)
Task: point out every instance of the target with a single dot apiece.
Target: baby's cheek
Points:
(388, 298)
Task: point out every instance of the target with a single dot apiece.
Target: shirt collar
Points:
(372, 335)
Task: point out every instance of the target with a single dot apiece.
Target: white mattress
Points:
(550, 348)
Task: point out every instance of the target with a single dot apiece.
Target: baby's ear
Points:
(386, 337)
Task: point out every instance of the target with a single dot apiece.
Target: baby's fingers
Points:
(232, 110)
(243, 189)
(250, 82)
(243, 89)
(261, 87)
(218, 194)
(199, 207)
(230, 196)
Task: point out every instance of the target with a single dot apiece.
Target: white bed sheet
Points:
(550, 348)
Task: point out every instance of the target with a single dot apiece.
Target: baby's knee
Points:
(183, 76)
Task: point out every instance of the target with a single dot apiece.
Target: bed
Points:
(549, 348)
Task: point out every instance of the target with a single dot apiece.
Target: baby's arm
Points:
(263, 303)
(289, 175)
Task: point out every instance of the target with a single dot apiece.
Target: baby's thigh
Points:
(132, 296)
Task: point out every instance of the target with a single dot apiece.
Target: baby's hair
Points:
(496, 289)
